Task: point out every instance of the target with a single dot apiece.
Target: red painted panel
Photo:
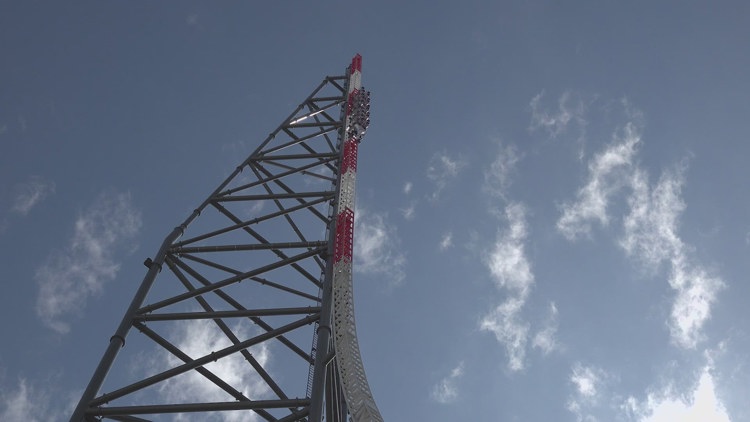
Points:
(349, 160)
(343, 247)
(357, 63)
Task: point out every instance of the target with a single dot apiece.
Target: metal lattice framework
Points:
(246, 311)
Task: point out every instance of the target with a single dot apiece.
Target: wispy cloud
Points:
(441, 170)
(408, 186)
(67, 278)
(446, 391)
(197, 339)
(569, 110)
(650, 228)
(588, 382)
(377, 247)
(410, 211)
(446, 241)
(193, 20)
(30, 193)
(651, 236)
(546, 338)
(506, 324)
(511, 272)
(497, 178)
(30, 402)
(507, 260)
(608, 172)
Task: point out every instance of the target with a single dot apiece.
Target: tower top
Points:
(356, 63)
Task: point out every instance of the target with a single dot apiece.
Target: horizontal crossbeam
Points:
(307, 310)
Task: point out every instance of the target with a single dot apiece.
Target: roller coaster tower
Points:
(246, 311)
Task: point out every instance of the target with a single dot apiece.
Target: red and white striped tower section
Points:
(357, 393)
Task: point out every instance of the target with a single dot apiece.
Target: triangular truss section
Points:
(229, 310)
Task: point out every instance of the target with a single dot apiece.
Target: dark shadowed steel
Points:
(246, 309)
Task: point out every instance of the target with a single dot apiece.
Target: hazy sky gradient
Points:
(553, 217)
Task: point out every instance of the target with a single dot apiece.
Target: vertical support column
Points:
(337, 318)
(351, 370)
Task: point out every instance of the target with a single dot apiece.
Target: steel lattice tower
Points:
(263, 267)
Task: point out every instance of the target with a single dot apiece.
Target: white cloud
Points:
(511, 272)
(608, 172)
(650, 228)
(68, 278)
(409, 211)
(506, 324)
(198, 338)
(588, 383)
(701, 404)
(446, 241)
(569, 110)
(442, 169)
(696, 293)
(497, 177)
(31, 193)
(507, 261)
(408, 187)
(545, 339)
(586, 379)
(377, 247)
(651, 236)
(26, 403)
(446, 391)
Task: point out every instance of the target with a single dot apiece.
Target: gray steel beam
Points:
(175, 316)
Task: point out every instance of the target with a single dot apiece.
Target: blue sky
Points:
(553, 220)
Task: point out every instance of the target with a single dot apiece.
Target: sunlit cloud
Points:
(651, 236)
(696, 292)
(588, 383)
(446, 391)
(377, 247)
(497, 178)
(510, 269)
(510, 330)
(31, 193)
(507, 260)
(196, 339)
(29, 402)
(699, 404)
(511, 272)
(68, 277)
(441, 170)
(546, 338)
(650, 229)
(608, 172)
